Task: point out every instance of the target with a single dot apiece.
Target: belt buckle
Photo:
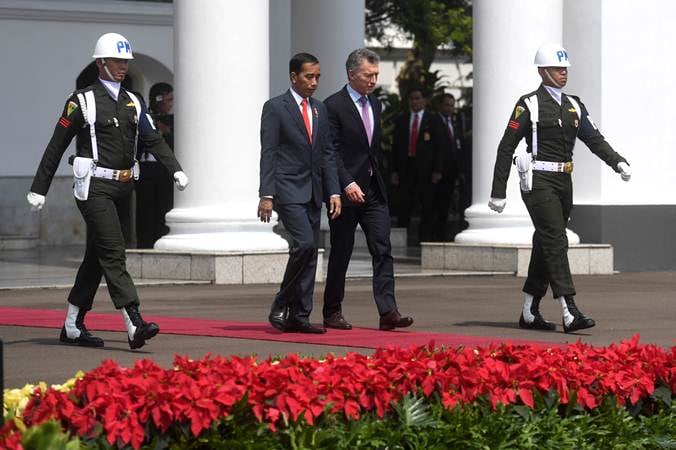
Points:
(124, 175)
(568, 167)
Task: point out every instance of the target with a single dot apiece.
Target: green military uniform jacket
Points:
(116, 128)
(558, 127)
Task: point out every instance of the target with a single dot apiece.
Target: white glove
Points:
(36, 201)
(497, 204)
(181, 180)
(625, 171)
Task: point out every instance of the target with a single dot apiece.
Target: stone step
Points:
(18, 242)
(398, 238)
(249, 267)
(583, 258)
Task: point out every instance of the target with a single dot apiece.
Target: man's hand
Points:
(625, 171)
(354, 193)
(36, 201)
(265, 209)
(497, 204)
(436, 177)
(181, 180)
(334, 206)
(394, 179)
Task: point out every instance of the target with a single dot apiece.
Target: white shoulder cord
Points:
(137, 105)
(88, 105)
(533, 108)
(576, 105)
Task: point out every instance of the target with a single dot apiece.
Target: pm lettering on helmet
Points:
(123, 45)
(562, 55)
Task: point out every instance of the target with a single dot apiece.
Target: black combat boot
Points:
(74, 330)
(138, 330)
(579, 321)
(537, 322)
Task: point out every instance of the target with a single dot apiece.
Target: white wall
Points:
(624, 72)
(44, 46)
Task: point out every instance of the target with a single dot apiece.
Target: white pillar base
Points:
(487, 227)
(215, 229)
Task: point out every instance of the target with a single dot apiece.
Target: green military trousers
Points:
(549, 207)
(107, 215)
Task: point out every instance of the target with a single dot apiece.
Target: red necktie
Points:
(306, 118)
(413, 141)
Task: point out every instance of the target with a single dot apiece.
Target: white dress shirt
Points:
(355, 96)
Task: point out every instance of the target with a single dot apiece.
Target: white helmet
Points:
(551, 55)
(113, 45)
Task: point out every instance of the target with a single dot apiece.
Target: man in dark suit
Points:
(417, 161)
(354, 114)
(450, 145)
(296, 158)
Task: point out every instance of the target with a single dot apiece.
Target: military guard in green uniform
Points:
(550, 121)
(107, 120)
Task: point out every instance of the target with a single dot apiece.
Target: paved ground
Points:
(622, 304)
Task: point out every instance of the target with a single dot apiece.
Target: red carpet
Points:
(357, 337)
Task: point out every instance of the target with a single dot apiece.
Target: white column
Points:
(330, 30)
(506, 37)
(221, 54)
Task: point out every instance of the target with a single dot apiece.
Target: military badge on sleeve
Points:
(518, 111)
(72, 106)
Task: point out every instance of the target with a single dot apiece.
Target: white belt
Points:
(112, 174)
(547, 166)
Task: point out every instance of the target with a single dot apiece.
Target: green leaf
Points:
(663, 394)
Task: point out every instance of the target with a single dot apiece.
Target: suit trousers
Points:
(549, 209)
(301, 221)
(374, 218)
(107, 215)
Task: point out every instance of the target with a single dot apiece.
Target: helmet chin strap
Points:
(549, 77)
(105, 67)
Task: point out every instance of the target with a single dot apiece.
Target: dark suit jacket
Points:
(428, 156)
(450, 154)
(354, 155)
(291, 169)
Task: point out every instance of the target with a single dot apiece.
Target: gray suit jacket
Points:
(293, 170)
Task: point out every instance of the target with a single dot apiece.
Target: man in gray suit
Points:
(297, 169)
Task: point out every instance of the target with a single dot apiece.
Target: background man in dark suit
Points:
(154, 188)
(296, 156)
(444, 189)
(417, 162)
(354, 114)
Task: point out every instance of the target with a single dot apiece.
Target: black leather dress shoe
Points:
(278, 318)
(86, 339)
(337, 321)
(393, 320)
(297, 326)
